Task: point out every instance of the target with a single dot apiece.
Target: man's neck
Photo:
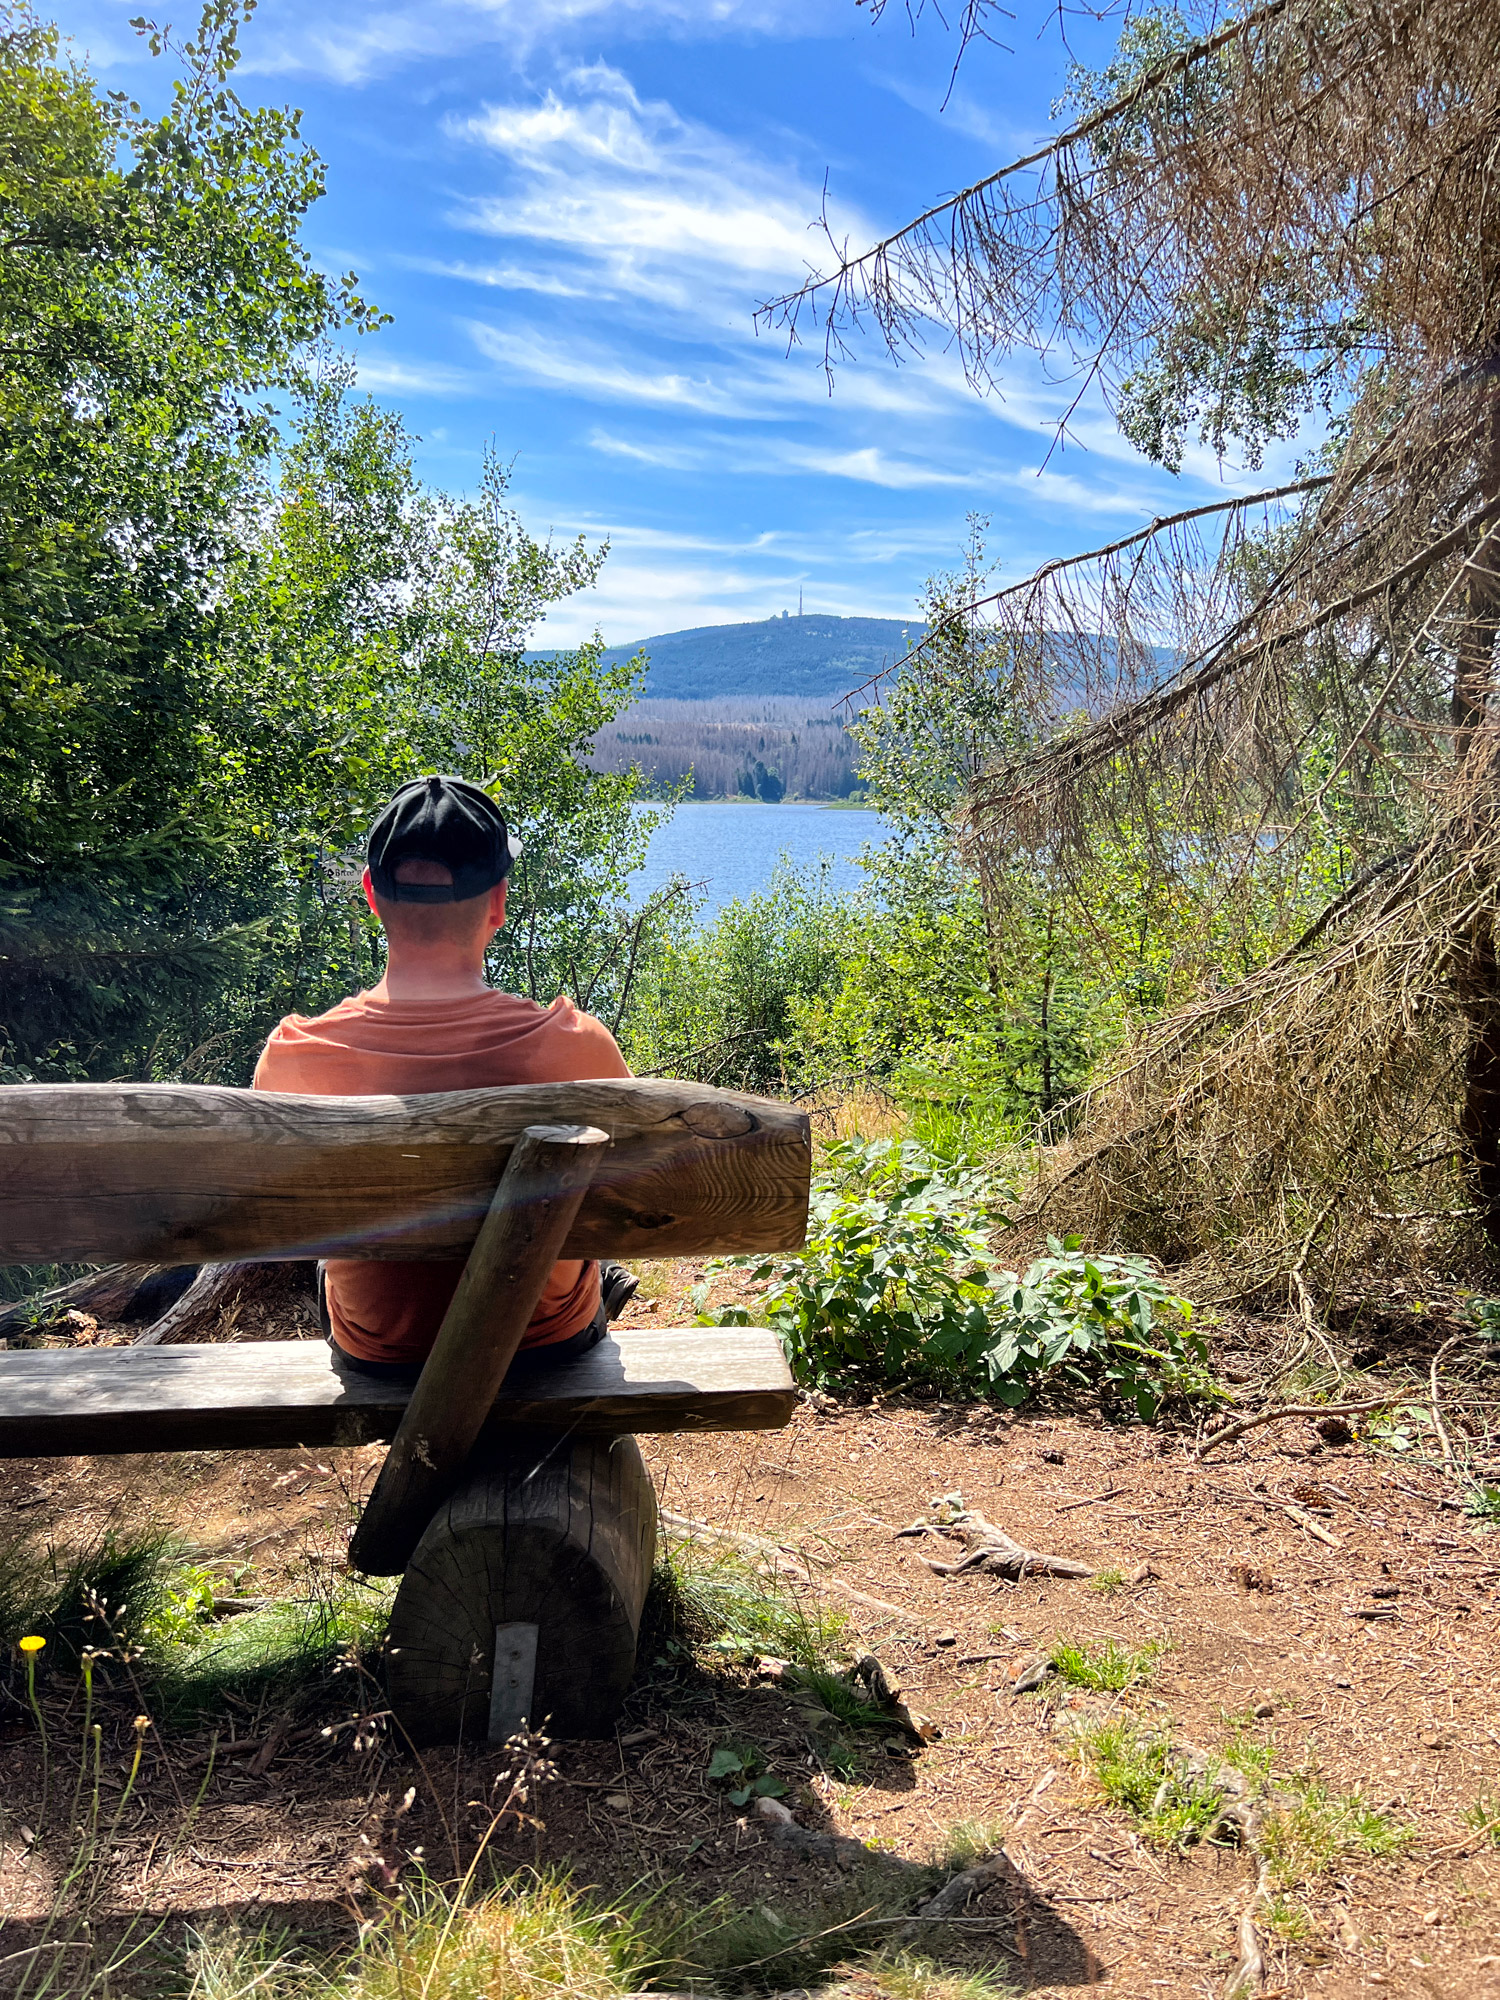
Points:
(421, 977)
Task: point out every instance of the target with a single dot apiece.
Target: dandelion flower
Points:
(32, 1644)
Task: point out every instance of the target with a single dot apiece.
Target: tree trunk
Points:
(1474, 748)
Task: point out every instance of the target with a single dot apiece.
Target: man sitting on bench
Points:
(439, 858)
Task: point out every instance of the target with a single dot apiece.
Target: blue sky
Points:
(572, 208)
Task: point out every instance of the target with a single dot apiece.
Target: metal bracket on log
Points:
(513, 1681)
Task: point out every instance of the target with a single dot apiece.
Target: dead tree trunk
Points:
(1475, 751)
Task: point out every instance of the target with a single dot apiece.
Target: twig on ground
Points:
(1310, 1410)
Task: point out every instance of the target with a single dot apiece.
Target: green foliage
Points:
(841, 1698)
(152, 291)
(723, 1004)
(968, 1841)
(1318, 1826)
(1484, 1816)
(1138, 1770)
(136, 1593)
(231, 617)
(897, 1283)
(741, 1766)
(1106, 1669)
(714, 1600)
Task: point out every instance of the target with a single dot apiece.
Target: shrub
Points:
(897, 1284)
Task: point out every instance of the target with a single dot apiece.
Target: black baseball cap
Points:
(451, 822)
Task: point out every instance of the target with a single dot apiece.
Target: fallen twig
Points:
(1311, 1410)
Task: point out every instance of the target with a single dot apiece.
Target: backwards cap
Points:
(451, 822)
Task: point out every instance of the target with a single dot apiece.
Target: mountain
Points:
(812, 655)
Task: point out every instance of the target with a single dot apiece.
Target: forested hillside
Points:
(811, 655)
(769, 748)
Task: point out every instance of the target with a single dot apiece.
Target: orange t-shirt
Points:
(373, 1047)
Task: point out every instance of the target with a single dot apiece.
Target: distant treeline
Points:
(768, 747)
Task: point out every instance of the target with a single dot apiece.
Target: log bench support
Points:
(522, 1601)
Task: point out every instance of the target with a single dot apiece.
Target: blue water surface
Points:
(732, 847)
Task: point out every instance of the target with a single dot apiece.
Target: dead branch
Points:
(1311, 1410)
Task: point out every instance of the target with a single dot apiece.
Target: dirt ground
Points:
(1355, 1634)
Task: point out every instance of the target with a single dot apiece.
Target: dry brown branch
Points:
(1313, 1411)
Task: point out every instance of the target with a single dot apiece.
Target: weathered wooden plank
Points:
(544, 1181)
(193, 1174)
(60, 1402)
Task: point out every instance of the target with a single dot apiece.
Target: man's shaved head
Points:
(424, 925)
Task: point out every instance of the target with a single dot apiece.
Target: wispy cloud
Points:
(500, 277)
(654, 206)
(418, 378)
(349, 42)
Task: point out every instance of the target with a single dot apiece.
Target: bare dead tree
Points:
(1291, 695)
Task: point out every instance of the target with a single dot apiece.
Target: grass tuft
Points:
(1484, 1817)
(1106, 1669)
(1136, 1769)
(703, 1598)
(1320, 1826)
(968, 1841)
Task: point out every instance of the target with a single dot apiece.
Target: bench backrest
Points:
(183, 1174)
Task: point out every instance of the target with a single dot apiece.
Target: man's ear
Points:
(497, 903)
(370, 894)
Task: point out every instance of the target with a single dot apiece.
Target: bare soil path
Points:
(1353, 1639)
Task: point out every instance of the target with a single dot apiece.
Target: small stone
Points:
(1264, 1710)
(1343, 1684)
(618, 1801)
(1052, 1458)
(946, 1639)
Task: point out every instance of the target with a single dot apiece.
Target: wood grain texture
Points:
(558, 1532)
(545, 1179)
(264, 1394)
(193, 1174)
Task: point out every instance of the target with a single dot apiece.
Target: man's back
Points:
(372, 1045)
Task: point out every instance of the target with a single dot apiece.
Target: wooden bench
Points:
(521, 1515)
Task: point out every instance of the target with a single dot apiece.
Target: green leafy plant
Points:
(744, 1765)
(1484, 1816)
(897, 1283)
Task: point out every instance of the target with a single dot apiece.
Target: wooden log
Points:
(181, 1173)
(62, 1402)
(517, 1245)
(125, 1292)
(559, 1533)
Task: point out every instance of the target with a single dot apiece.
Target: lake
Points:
(732, 847)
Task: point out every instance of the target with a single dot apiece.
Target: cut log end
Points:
(557, 1534)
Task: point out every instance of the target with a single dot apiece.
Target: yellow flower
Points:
(32, 1644)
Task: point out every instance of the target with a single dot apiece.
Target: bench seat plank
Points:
(262, 1394)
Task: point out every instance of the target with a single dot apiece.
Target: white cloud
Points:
(350, 42)
(421, 378)
(654, 206)
(500, 277)
(871, 466)
(597, 373)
